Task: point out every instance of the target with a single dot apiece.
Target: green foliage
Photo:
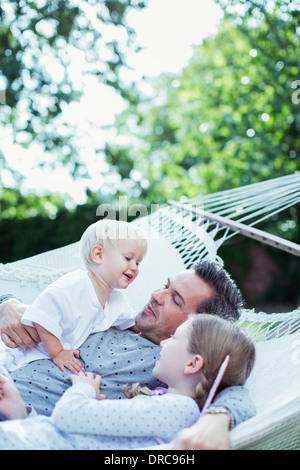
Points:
(32, 224)
(229, 118)
(16, 206)
(38, 40)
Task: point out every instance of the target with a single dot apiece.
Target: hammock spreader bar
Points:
(243, 229)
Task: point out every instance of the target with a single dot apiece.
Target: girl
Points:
(83, 419)
(84, 301)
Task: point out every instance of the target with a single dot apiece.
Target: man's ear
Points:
(97, 254)
(194, 365)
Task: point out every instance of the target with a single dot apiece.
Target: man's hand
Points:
(13, 333)
(210, 432)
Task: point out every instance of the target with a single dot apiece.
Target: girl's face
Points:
(120, 264)
(174, 357)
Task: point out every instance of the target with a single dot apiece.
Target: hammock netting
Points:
(181, 234)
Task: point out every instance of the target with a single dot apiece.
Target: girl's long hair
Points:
(214, 338)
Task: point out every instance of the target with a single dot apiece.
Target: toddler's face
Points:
(120, 264)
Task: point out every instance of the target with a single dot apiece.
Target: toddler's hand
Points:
(88, 377)
(66, 358)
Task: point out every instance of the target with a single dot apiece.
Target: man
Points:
(126, 356)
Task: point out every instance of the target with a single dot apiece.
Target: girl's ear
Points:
(97, 254)
(194, 365)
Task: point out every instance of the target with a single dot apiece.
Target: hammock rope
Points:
(263, 197)
(232, 208)
(179, 237)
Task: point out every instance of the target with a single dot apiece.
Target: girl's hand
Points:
(88, 377)
(11, 403)
(66, 359)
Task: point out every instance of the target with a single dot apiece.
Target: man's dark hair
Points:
(227, 300)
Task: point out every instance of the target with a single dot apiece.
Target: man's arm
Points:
(211, 432)
(13, 332)
(237, 402)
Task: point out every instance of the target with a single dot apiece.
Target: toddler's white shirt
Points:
(70, 310)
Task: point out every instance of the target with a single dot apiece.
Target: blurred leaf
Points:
(37, 43)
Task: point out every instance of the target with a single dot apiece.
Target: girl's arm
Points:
(211, 431)
(89, 378)
(60, 356)
(11, 403)
(77, 411)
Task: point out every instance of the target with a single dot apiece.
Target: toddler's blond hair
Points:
(107, 233)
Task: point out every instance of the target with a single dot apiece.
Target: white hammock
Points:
(178, 237)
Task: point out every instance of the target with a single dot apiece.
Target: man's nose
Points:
(158, 296)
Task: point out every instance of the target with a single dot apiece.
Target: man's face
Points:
(171, 305)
